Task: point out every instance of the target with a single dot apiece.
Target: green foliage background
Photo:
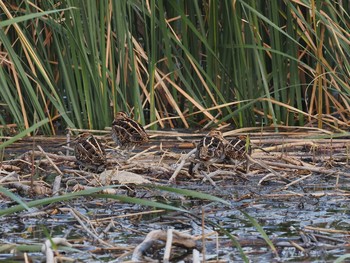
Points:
(174, 63)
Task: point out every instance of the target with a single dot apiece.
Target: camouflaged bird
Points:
(126, 132)
(211, 148)
(237, 148)
(89, 152)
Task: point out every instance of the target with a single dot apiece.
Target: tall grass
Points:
(174, 63)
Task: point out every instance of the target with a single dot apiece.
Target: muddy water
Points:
(307, 221)
(284, 219)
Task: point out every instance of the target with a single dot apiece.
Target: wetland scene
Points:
(296, 192)
(174, 131)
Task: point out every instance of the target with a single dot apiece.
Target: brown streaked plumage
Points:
(126, 132)
(211, 148)
(237, 148)
(89, 152)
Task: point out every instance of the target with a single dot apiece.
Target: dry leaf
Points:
(121, 177)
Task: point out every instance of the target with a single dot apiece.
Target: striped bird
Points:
(209, 150)
(89, 152)
(126, 132)
(237, 148)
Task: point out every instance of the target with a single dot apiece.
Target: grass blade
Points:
(14, 197)
(24, 133)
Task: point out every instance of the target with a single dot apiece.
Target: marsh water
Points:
(305, 213)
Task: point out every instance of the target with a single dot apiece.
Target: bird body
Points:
(237, 148)
(214, 148)
(126, 132)
(211, 148)
(89, 152)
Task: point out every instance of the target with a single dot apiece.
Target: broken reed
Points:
(174, 63)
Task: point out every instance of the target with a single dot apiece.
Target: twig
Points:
(265, 178)
(8, 167)
(74, 213)
(26, 258)
(184, 158)
(203, 235)
(80, 172)
(179, 239)
(296, 181)
(68, 142)
(196, 256)
(264, 165)
(47, 247)
(297, 246)
(51, 155)
(140, 153)
(289, 145)
(332, 239)
(56, 185)
(87, 130)
(211, 121)
(10, 176)
(49, 159)
(327, 230)
(128, 215)
(309, 168)
(224, 172)
(169, 241)
(208, 177)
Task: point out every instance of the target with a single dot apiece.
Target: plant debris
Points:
(297, 189)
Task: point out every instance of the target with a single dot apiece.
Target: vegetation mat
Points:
(290, 203)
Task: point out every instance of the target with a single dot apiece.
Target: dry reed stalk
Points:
(78, 216)
(321, 170)
(327, 230)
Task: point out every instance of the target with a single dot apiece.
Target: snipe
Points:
(237, 151)
(209, 150)
(126, 132)
(89, 152)
(237, 148)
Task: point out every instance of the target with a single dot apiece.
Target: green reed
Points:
(174, 63)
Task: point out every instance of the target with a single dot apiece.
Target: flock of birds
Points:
(127, 134)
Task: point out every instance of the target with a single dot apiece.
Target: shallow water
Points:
(281, 220)
(308, 213)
